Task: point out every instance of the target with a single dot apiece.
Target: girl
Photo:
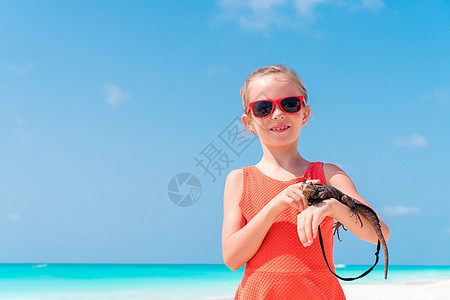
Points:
(267, 223)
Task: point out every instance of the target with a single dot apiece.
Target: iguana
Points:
(316, 193)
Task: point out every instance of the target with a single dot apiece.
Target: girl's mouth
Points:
(279, 129)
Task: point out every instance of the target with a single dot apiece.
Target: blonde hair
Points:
(272, 70)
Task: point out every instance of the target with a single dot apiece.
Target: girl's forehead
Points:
(272, 86)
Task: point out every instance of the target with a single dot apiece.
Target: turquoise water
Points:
(126, 281)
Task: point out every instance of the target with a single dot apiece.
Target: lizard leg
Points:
(323, 195)
(336, 229)
(354, 209)
(356, 213)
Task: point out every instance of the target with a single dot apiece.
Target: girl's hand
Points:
(291, 196)
(309, 220)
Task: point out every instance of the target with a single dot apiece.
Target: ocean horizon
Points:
(166, 281)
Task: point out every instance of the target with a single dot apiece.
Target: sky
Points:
(119, 121)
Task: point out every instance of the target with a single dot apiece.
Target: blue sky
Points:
(103, 103)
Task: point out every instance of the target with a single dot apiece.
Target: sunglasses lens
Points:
(262, 108)
(291, 104)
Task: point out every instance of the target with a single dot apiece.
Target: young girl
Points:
(267, 223)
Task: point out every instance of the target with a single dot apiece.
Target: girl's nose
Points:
(278, 113)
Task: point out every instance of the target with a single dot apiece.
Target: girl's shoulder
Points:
(235, 178)
(234, 187)
(238, 173)
(235, 174)
(330, 169)
(334, 174)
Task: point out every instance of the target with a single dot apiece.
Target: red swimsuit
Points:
(282, 268)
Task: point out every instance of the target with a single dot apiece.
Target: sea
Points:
(164, 281)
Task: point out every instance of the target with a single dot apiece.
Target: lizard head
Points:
(309, 190)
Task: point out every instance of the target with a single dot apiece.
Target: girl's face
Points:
(279, 128)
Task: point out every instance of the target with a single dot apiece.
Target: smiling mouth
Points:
(280, 129)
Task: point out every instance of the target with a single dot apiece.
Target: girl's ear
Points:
(306, 113)
(248, 122)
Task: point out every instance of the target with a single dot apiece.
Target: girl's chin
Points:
(281, 142)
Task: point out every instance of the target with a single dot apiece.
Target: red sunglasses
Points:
(264, 108)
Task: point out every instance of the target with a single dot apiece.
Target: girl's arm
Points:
(337, 178)
(239, 242)
(309, 219)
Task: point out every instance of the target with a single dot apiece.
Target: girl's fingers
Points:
(304, 201)
(301, 198)
(314, 181)
(307, 227)
(300, 230)
(315, 226)
(304, 230)
(308, 231)
(296, 199)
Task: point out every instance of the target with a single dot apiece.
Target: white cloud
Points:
(306, 7)
(252, 14)
(115, 95)
(14, 217)
(414, 141)
(19, 69)
(400, 210)
(260, 15)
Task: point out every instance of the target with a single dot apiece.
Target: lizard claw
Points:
(356, 213)
(359, 218)
(336, 230)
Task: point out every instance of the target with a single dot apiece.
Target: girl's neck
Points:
(282, 158)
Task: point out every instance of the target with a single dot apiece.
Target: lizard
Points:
(316, 193)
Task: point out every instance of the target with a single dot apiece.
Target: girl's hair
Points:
(272, 70)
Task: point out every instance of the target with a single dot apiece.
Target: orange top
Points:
(282, 268)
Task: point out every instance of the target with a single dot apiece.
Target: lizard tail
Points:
(375, 222)
(386, 258)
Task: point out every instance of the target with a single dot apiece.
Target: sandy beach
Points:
(432, 289)
(429, 290)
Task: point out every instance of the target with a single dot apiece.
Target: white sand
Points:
(423, 290)
(429, 290)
